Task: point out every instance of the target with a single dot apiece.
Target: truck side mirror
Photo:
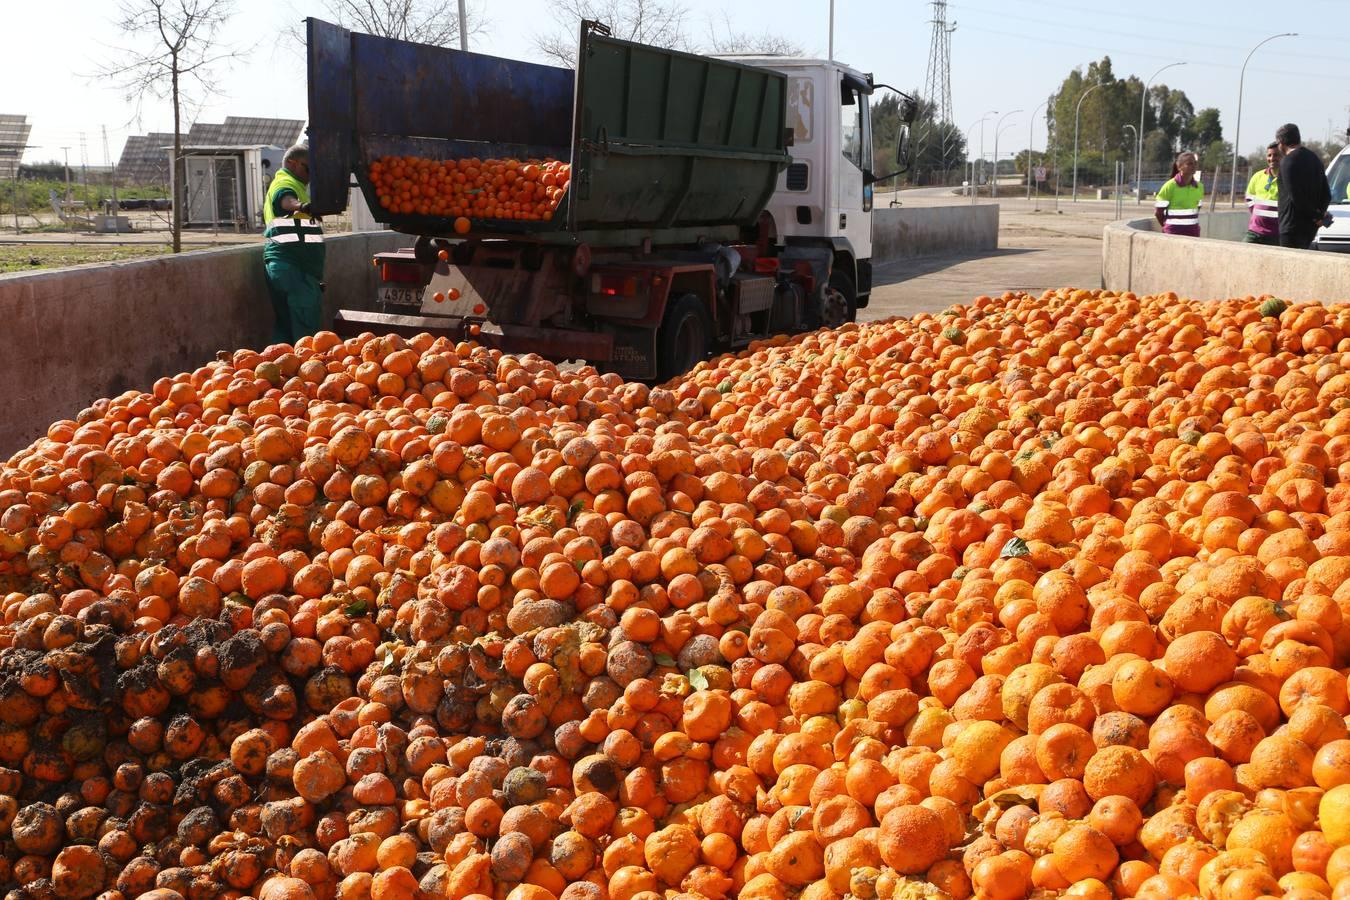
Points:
(909, 110)
(903, 146)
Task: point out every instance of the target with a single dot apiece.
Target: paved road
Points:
(1040, 247)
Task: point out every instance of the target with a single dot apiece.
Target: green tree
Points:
(1204, 129)
(1170, 121)
(1325, 151)
(1217, 154)
(1102, 140)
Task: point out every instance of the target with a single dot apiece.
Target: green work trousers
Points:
(1269, 240)
(297, 301)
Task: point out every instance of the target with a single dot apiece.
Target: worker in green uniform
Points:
(1263, 199)
(293, 251)
(1178, 201)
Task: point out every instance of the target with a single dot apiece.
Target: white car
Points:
(1336, 237)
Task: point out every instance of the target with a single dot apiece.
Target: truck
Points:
(712, 201)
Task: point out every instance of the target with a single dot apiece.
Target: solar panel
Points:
(14, 131)
(245, 130)
(145, 161)
(203, 133)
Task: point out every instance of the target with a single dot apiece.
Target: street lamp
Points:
(1030, 125)
(1076, 114)
(1136, 135)
(1237, 128)
(998, 134)
(1139, 149)
(998, 131)
(969, 132)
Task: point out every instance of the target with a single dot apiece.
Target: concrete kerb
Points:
(1137, 257)
(77, 334)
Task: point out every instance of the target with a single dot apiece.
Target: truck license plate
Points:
(400, 296)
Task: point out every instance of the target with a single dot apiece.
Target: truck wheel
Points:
(844, 285)
(837, 304)
(684, 338)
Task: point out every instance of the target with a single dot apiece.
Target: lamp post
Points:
(1135, 141)
(1030, 125)
(998, 130)
(1077, 112)
(1237, 128)
(998, 134)
(831, 30)
(969, 159)
(1139, 148)
(463, 27)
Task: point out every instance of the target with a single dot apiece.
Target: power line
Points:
(1145, 37)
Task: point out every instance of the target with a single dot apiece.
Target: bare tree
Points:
(177, 47)
(657, 22)
(661, 23)
(434, 22)
(724, 38)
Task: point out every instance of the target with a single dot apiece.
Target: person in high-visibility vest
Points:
(1178, 202)
(1263, 199)
(293, 252)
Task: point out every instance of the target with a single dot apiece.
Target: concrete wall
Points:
(901, 232)
(71, 336)
(1221, 225)
(1137, 257)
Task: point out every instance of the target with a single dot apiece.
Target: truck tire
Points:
(684, 339)
(837, 303)
(840, 281)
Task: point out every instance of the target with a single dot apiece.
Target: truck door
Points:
(853, 215)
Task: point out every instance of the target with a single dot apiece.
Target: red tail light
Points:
(401, 273)
(614, 285)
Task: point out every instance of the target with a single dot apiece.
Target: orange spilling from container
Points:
(528, 190)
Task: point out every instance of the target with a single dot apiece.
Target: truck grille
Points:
(797, 177)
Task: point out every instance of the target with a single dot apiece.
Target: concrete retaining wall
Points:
(71, 336)
(1221, 225)
(901, 232)
(1137, 257)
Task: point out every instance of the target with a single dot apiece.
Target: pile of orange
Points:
(528, 190)
(1039, 595)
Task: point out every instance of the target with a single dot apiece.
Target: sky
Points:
(1006, 55)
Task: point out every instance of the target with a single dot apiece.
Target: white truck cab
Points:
(825, 195)
(1336, 236)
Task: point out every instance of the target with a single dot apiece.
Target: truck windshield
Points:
(1339, 178)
